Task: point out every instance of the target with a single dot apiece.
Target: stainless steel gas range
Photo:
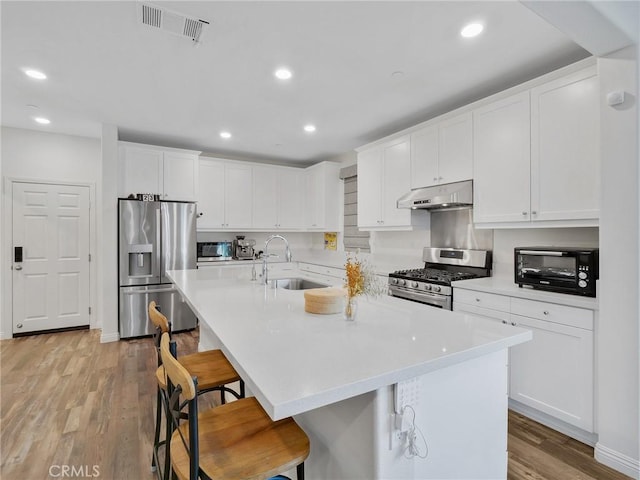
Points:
(432, 284)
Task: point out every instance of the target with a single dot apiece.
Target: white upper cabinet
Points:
(323, 197)
(277, 198)
(170, 173)
(424, 157)
(265, 197)
(370, 175)
(290, 198)
(501, 155)
(565, 149)
(384, 175)
(442, 152)
(537, 157)
(225, 195)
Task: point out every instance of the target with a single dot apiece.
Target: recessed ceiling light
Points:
(225, 134)
(309, 128)
(42, 120)
(38, 75)
(283, 74)
(472, 30)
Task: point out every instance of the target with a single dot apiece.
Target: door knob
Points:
(18, 267)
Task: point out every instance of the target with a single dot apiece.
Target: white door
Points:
(424, 157)
(290, 198)
(238, 196)
(370, 188)
(265, 197)
(180, 176)
(455, 149)
(565, 152)
(502, 161)
(210, 195)
(51, 282)
(396, 181)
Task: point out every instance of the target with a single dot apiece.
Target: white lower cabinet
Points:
(554, 372)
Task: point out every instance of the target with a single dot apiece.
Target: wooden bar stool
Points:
(211, 365)
(234, 441)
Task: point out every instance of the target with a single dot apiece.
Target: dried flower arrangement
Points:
(359, 279)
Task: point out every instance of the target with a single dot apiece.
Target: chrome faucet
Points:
(265, 272)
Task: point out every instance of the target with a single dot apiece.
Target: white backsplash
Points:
(504, 241)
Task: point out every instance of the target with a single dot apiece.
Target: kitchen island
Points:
(337, 377)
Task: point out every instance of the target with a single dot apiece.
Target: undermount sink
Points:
(295, 283)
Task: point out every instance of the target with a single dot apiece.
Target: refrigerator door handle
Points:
(158, 253)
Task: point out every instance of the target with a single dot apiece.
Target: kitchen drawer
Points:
(498, 316)
(322, 270)
(482, 299)
(551, 312)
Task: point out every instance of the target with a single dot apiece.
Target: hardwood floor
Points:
(68, 400)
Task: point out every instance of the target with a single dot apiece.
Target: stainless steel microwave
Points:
(557, 269)
(214, 251)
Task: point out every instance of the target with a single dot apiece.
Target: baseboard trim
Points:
(109, 337)
(563, 427)
(5, 336)
(616, 460)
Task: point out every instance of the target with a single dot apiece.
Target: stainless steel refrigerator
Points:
(153, 237)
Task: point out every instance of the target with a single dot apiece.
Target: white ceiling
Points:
(105, 67)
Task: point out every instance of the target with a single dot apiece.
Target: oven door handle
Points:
(442, 301)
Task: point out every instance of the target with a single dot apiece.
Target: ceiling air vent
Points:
(172, 22)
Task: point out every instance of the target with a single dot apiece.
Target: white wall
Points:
(108, 235)
(37, 155)
(617, 329)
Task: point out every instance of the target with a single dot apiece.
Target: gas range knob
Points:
(427, 287)
(402, 282)
(436, 288)
(394, 281)
(414, 284)
(582, 275)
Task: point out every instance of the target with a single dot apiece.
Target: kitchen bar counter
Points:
(295, 361)
(336, 377)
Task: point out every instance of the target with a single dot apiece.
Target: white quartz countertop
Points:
(504, 285)
(294, 361)
(381, 264)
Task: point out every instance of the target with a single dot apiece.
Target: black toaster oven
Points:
(557, 269)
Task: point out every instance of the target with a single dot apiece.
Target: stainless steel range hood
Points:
(439, 197)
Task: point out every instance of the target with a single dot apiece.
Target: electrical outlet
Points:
(396, 437)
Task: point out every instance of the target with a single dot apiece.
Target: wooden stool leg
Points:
(300, 471)
(156, 437)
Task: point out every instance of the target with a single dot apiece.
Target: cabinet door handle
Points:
(546, 312)
(525, 213)
(514, 323)
(533, 212)
(435, 179)
(440, 178)
(477, 299)
(504, 321)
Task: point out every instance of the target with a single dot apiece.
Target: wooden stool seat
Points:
(238, 440)
(211, 368)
